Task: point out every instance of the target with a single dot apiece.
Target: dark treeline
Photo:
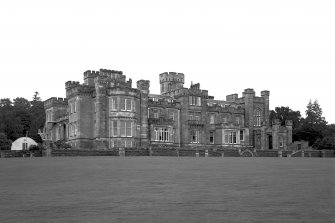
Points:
(314, 128)
(20, 117)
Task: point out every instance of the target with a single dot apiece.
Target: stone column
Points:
(275, 134)
(143, 87)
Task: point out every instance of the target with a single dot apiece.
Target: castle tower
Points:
(143, 87)
(249, 95)
(100, 110)
(289, 124)
(171, 81)
(275, 133)
(89, 77)
(266, 96)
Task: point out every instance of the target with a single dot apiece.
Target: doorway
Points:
(270, 141)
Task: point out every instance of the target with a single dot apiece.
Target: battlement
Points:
(90, 74)
(195, 86)
(171, 77)
(265, 93)
(143, 85)
(71, 84)
(249, 91)
(232, 97)
(55, 102)
(163, 102)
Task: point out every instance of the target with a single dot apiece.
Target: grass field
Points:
(167, 189)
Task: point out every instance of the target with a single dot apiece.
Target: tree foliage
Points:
(22, 117)
(5, 144)
(313, 128)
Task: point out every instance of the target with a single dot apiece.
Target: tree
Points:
(37, 117)
(21, 116)
(285, 113)
(5, 143)
(314, 125)
(327, 142)
(314, 114)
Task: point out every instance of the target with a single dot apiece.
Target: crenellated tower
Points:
(171, 81)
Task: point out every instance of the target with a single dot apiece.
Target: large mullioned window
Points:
(123, 128)
(125, 104)
(195, 136)
(162, 134)
(230, 137)
(193, 100)
(258, 117)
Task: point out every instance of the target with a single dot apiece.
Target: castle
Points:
(106, 112)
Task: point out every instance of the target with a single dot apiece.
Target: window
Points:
(194, 134)
(114, 128)
(128, 104)
(230, 137)
(224, 120)
(171, 114)
(211, 119)
(162, 134)
(195, 117)
(113, 102)
(126, 128)
(129, 128)
(128, 143)
(281, 142)
(211, 137)
(24, 146)
(193, 100)
(238, 120)
(125, 104)
(74, 129)
(156, 114)
(241, 135)
(257, 117)
(75, 106)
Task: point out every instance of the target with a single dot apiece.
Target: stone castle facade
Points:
(107, 112)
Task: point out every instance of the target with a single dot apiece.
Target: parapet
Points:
(265, 93)
(55, 102)
(195, 86)
(71, 84)
(232, 97)
(249, 91)
(171, 76)
(143, 85)
(90, 74)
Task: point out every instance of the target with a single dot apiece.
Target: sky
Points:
(286, 47)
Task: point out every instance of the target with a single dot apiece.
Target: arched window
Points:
(257, 117)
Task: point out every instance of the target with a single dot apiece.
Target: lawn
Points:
(167, 189)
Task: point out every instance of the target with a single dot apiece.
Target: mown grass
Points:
(166, 189)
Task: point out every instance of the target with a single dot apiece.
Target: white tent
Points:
(23, 143)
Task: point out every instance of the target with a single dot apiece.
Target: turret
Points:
(266, 96)
(89, 77)
(275, 133)
(171, 81)
(249, 95)
(289, 124)
(143, 87)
